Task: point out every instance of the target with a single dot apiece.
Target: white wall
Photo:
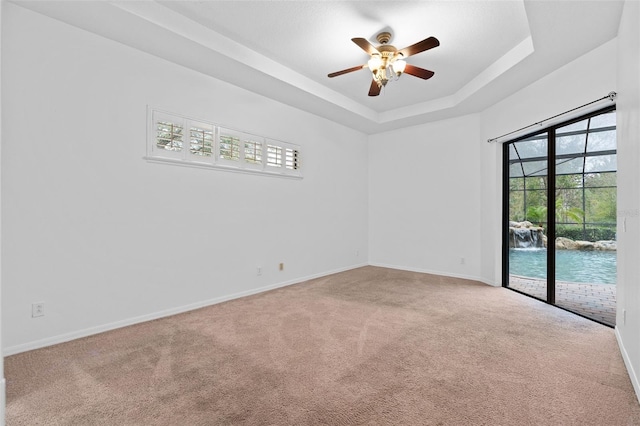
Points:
(104, 238)
(583, 80)
(424, 198)
(628, 135)
(2, 379)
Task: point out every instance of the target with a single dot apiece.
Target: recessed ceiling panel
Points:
(285, 49)
(314, 39)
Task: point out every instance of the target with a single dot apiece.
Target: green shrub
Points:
(599, 233)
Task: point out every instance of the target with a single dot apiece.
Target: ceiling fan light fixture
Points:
(375, 63)
(378, 66)
(398, 67)
(387, 63)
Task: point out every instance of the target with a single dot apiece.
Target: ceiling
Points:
(285, 49)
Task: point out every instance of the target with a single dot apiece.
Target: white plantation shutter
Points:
(253, 152)
(181, 140)
(201, 141)
(291, 159)
(229, 147)
(274, 155)
(244, 149)
(168, 135)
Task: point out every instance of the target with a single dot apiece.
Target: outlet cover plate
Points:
(37, 309)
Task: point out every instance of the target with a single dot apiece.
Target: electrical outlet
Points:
(462, 260)
(37, 309)
(357, 253)
(281, 266)
(624, 317)
(259, 270)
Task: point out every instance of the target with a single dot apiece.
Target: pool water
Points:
(597, 267)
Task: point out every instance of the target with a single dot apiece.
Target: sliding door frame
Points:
(551, 215)
(551, 201)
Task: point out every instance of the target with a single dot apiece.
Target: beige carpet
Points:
(370, 346)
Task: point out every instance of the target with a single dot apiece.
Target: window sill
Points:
(193, 164)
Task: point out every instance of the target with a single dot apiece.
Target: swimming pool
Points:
(597, 267)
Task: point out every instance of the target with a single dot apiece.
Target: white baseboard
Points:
(54, 340)
(628, 364)
(487, 282)
(432, 272)
(3, 401)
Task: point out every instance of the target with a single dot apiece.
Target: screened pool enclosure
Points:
(560, 215)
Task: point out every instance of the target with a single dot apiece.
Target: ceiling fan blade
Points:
(421, 46)
(374, 90)
(348, 70)
(365, 45)
(418, 72)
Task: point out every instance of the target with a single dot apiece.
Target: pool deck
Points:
(596, 301)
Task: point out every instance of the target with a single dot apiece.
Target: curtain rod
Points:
(611, 96)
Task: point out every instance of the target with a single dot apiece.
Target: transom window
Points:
(218, 147)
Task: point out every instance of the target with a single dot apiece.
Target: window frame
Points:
(185, 156)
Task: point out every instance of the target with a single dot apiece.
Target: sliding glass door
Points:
(560, 216)
(528, 180)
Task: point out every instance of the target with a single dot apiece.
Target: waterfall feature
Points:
(525, 235)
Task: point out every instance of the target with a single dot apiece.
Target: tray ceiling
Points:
(285, 49)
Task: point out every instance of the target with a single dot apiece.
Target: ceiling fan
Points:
(387, 62)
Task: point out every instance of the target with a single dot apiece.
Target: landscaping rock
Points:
(526, 235)
(563, 243)
(605, 245)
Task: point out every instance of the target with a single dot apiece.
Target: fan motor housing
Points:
(387, 50)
